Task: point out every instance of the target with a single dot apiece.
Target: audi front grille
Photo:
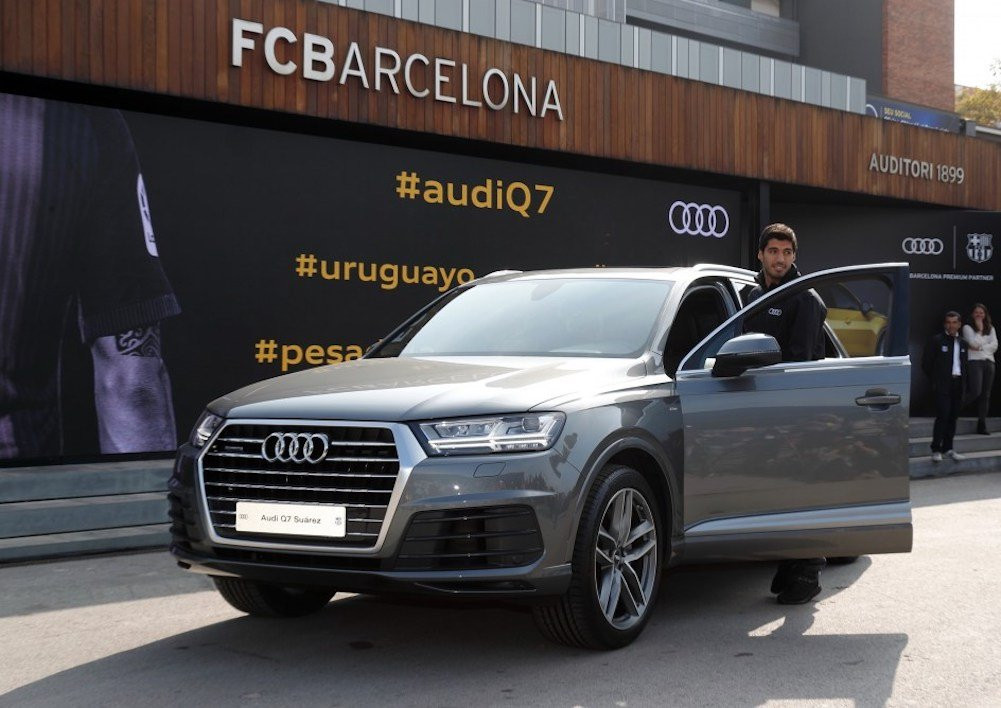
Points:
(358, 471)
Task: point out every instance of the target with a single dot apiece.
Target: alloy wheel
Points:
(625, 568)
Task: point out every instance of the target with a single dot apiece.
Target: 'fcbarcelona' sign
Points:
(378, 68)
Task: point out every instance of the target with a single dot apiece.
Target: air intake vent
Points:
(471, 539)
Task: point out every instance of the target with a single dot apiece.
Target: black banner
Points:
(951, 254)
(280, 250)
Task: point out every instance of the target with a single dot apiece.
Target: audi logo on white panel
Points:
(295, 447)
(922, 246)
(698, 219)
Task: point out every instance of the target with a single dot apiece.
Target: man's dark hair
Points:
(780, 232)
(952, 313)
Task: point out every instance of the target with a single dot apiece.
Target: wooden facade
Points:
(183, 48)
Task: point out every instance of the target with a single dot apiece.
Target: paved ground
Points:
(920, 629)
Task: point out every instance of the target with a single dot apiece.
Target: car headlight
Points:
(204, 428)
(529, 432)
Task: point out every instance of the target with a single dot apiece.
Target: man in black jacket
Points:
(945, 363)
(797, 323)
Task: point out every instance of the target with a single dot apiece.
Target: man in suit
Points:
(945, 363)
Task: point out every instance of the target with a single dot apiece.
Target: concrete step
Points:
(54, 516)
(922, 427)
(921, 447)
(983, 451)
(63, 545)
(21, 484)
(989, 461)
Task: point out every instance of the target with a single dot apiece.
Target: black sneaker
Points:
(783, 578)
(803, 588)
(982, 428)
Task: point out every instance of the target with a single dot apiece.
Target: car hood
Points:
(403, 389)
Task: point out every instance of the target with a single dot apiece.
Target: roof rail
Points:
(725, 268)
(497, 273)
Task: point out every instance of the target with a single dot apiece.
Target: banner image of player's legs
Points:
(78, 254)
(287, 250)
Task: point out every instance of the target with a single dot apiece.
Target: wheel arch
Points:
(641, 452)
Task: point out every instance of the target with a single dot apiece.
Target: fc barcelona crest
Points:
(979, 248)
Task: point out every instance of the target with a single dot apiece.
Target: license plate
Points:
(291, 519)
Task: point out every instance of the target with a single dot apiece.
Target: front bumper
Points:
(296, 570)
(541, 484)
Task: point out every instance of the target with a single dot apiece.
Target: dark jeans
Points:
(948, 401)
(981, 383)
(802, 566)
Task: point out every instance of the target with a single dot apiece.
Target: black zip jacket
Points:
(936, 361)
(796, 322)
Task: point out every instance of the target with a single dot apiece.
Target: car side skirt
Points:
(851, 531)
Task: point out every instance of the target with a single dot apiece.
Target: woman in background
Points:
(983, 342)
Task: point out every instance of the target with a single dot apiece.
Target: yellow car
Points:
(854, 321)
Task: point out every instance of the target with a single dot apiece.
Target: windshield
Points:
(553, 317)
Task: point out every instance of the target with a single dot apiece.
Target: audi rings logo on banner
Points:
(922, 246)
(698, 219)
(295, 447)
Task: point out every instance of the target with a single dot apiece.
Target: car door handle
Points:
(878, 399)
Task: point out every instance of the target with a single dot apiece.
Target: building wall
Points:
(728, 23)
(605, 9)
(603, 110)
(826, 28)
(918, 59)
(589, 28)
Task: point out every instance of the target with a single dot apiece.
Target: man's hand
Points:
(135, 412)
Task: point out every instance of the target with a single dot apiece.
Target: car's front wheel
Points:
(265, 600)
(616, 566)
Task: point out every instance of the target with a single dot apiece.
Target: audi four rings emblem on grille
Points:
(698, 219)
(922, 246)
(295, 447)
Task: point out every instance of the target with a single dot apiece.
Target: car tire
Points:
(265, 600)
(610, 597)
(842, 560)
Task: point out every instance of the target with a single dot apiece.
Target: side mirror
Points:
(748, 351)
(866, 308)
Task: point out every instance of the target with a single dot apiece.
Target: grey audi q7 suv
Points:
(560, 437)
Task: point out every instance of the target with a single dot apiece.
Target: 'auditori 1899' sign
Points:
(916, 169)
(421, 76)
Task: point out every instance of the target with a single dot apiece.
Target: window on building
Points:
(766, 7)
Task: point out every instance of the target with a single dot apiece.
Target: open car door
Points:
(807, 458)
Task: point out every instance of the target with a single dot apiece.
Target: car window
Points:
(743, 289)
(857, 318)
(858, 314)
(599, 317)
(837, 295)
(702, 310)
